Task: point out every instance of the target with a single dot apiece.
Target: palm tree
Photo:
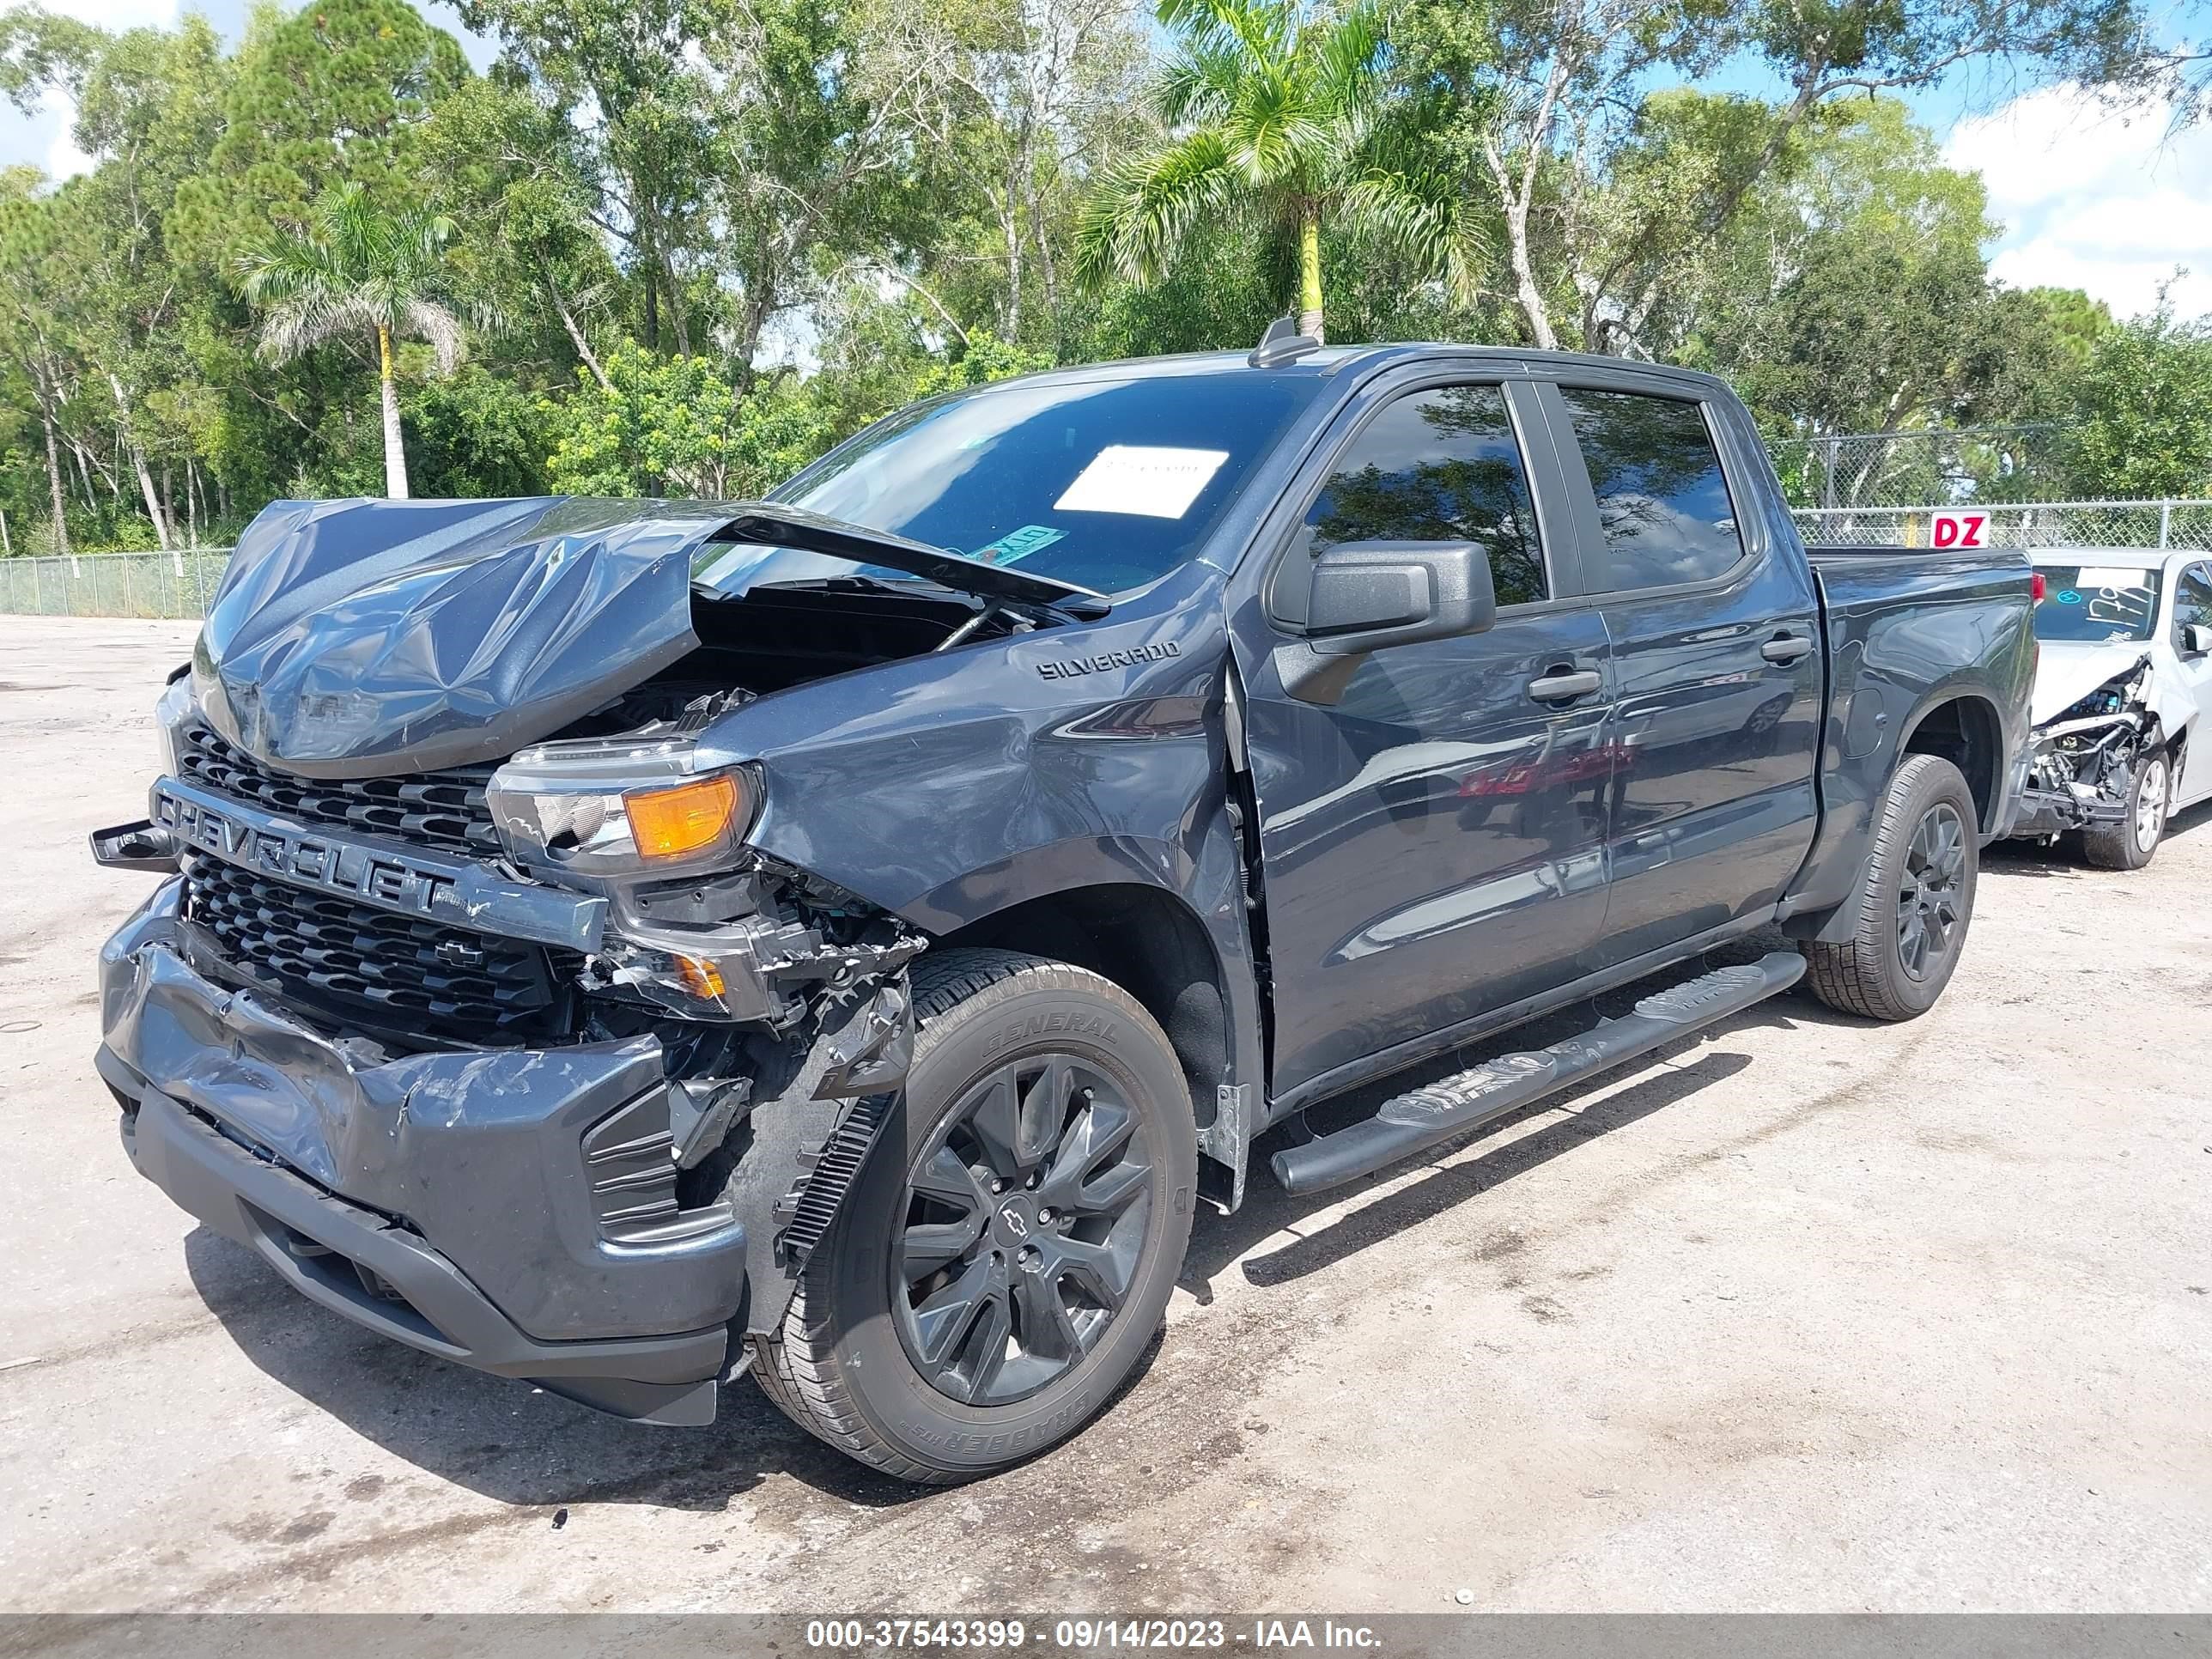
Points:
(1277, 112)
(355, 269)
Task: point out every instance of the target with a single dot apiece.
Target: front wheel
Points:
(1006, 1253)
(2129, 844)
(1917, 901)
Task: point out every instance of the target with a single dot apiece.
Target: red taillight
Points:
(2036, 587)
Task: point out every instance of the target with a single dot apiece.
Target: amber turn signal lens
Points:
(667, 823)
(701, 977)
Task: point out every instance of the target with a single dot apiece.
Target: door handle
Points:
(1565, 686)
(1785, 648)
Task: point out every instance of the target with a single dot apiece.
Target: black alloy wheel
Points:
(1024, 1217)
(1915, 901)
(1002, 1261)
(1930, 899)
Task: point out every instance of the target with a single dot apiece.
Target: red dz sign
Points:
(1957, 530)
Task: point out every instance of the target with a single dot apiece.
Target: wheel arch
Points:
(1965, 729)
(1143, 938)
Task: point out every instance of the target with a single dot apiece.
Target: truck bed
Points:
(1902, 623)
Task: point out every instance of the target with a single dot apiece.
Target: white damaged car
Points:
(2123, 706)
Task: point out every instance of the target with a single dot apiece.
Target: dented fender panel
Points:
(1030, 782)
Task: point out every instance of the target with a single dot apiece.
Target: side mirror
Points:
(1358, 598)
(2196, 639)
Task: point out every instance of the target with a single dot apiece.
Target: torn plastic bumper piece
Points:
(140, 846)
(516, 1209)
(358, 1263)
(2044, 811)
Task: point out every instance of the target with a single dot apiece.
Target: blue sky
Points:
(2109, 202)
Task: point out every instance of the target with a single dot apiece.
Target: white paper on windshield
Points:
(2099, 575)
(1149, 480)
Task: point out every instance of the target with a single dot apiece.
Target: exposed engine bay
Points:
(2087, 758)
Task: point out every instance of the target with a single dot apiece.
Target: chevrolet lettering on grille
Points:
(459, 892)
(382, 879)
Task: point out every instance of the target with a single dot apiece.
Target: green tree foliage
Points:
(2142, 422)
(1279, 120)
(677, 425)
(337, 92)
(1851, 297)
(2078, 324)
(663, 426)
(1600, 195)
(475, 434)
(357, 268)
(658, 426)
(722, 234)
(1859, 300)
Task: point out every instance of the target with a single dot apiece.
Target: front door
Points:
(2192, 603)
(1431, 842)
(1717, 664)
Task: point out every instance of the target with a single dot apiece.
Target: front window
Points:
(2103, 603)
(1441, 465)
(1109, 484)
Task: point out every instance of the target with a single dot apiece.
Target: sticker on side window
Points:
(1144, 480)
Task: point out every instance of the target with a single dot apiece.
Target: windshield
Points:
(2105, 604)
(1108, 485)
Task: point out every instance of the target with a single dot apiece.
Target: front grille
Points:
(441, 809)
(392, 973)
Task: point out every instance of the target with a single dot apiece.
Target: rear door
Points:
(1431, 842)
(1716, 659)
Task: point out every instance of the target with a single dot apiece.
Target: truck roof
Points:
(1327, 362)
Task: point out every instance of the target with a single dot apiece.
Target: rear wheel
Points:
(1917, 900)
(1006, 1254)
(2129, 844)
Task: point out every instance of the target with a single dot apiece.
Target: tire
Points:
(2129, 844)
(877, 1365)
(1888, 969)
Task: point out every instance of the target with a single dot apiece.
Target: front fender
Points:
(943, 786)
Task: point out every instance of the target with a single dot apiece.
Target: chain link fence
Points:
(1981, 464)
(179, 584)
(2160, 524)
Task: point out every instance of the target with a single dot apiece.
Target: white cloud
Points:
(42, 138)
(2103, 200)
(63, 159)
(118, 14)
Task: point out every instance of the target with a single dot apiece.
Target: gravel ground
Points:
(1808, 1314)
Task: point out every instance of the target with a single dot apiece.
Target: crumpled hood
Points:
(2066, 671)
(352, 638)
(365, 638)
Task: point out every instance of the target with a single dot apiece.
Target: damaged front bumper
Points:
(513, 1209)
(2045, 810)
(2083, 762)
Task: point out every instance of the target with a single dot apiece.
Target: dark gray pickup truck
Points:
(844, 937)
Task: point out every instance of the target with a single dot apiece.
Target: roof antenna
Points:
(1282, 343)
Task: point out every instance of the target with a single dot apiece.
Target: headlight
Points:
(170, 716)
(618, 806)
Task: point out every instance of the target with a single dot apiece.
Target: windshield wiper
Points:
(767, 524)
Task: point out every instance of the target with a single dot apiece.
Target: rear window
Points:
(2103, 603)
(1108, 485)
(1663, 502)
